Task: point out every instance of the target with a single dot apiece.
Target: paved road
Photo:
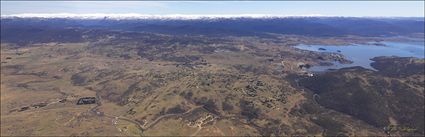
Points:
(99, 103)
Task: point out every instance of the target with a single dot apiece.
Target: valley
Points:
(161, 84)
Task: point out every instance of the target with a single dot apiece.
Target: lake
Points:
(361, 54)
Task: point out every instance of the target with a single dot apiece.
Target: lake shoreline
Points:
(361, 54)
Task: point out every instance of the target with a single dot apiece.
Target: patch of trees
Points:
(272, 128)
(187, 95)
(226, 106)
(330, 126)
(79, 80)
(248, 110)
(176, 110)
(306, 66)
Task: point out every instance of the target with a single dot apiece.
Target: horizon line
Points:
(175, 16)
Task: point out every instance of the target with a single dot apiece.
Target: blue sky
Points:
(326, 8)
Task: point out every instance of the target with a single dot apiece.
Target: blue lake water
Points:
(361, 54)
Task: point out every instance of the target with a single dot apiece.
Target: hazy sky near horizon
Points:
(325, 8)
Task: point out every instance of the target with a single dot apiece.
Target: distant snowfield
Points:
(148, 16)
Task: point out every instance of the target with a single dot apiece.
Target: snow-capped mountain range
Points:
(213, 25)
(151, 16)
